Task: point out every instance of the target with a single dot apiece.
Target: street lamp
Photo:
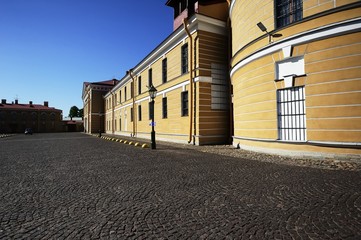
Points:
(264, 29)
(152, 93)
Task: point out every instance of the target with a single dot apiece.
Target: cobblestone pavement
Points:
(75, 186)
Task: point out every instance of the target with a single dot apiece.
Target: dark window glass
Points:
(288, 11)
(184, 99)
(164, 70)
(151, 109)
(184, 60)
(131, 114)
(164, 108)
(150, 77)
(139, 113)
(125, 93)
(139, 85)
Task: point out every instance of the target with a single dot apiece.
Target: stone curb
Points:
(113, 139)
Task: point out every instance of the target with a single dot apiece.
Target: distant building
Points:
(75, 124)
(15, 117)
(93, 102)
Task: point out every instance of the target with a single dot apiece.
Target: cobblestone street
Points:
(75, 186)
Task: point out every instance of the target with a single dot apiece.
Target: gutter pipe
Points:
(133, 98)
(185, 22)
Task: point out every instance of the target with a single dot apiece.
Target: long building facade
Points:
(190, 71)
(277, 76)
(296, 75)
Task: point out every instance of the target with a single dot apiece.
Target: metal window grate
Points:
(291, 114)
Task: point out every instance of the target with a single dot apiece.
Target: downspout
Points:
(134, 110)
(185, 22)
(195, 91)
(113, 113)
(229, 28)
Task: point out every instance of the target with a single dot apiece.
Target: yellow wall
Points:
(210, 123)
(332, 77)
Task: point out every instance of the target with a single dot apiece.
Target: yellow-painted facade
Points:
(297, 85)
(201, 116)
(280, 81)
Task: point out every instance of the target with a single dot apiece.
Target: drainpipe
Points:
(112, 113)
(229, 28)
(195, 91)
(134, 110)
(185, 22)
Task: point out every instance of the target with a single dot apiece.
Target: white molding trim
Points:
(330, 30)
(203, 79)
(197, 22)
(231, 8)
(160, 93)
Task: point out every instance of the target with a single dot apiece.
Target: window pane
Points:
(185, 58)
(184, 99)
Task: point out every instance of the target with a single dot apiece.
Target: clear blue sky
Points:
(48, 48)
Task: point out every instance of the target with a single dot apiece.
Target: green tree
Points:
(74, 112)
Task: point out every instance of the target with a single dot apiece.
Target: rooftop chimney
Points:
(3, 101)
(16, 101)
(46, 103)
(31, 103)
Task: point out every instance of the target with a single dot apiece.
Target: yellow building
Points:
(190, 71)
(93, 104)
(296, 76)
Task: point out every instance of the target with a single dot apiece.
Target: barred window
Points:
(288, 11)
(291, 114)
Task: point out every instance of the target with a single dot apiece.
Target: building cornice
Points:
(233, 2)
(331, 30)
(196, 22)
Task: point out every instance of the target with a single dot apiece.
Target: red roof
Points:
(26, 107)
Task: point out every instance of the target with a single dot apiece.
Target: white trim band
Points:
(312, 35)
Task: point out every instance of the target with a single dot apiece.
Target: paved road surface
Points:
(75, 186)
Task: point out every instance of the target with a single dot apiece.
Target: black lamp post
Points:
(152, 93)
